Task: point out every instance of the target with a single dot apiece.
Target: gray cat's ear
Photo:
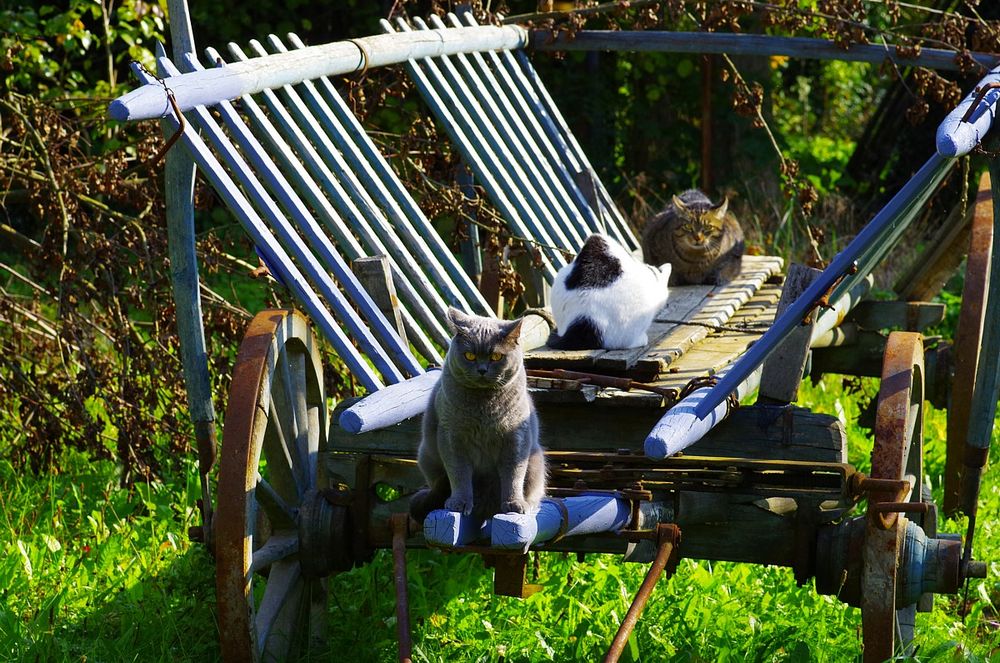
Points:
(456, 320)
(720, 209)
(679, 204)
(513, 334)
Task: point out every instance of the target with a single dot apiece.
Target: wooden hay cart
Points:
(646, 446)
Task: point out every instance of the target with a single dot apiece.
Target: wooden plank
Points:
(716, 308)
(776, 433)
(376, 277)
(683, 302)
(750, 432)
(782, 371)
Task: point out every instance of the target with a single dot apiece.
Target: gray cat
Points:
(702, 242)
(480, 452)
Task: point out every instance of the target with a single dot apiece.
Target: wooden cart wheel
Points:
(968, 340)
(270, 606)
(897, 456)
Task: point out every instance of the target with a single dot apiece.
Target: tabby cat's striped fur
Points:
(702, 242)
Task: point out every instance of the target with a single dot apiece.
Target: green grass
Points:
(94, 572)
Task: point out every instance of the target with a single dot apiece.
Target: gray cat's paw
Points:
(459, 504)
(515, 506)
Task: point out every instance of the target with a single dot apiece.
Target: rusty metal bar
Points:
(900, 507)
(625, 384)
(668, 536)
(400, 530)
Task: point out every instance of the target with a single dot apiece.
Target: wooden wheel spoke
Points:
(284, 389)
(297, 374)
(277, 509)
(286, 472)
(277, 548)
(317, 613)
(278, 611)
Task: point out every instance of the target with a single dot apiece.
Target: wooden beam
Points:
(751, 432)
(782, 372)
(375, 276)
(742, 44)
(933, 267)
(909, 316)
(209, 87)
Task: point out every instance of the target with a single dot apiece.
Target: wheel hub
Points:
(927, 565)
(323, 532)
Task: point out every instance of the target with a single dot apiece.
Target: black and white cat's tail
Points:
(581, 334)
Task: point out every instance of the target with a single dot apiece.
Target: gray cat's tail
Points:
(424, 501)
(582, 334)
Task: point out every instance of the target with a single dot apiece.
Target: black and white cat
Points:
(606, 298)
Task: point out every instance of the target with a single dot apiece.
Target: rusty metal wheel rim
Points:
(897, 454)
(968, 340)
(276, 414)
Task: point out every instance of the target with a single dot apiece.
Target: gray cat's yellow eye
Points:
(471, 356)
(496, 356)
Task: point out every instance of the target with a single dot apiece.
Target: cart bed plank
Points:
(668, 340)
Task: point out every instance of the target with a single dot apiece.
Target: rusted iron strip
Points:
(596, 379)
(668, 537)
(400, 530)
(968, 341)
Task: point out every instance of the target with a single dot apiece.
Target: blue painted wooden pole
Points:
(957, 136)
(179, 175)
(897, 212)
(390, 405)
(450, 528)
(571, 516)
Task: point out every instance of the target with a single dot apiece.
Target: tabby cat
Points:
(480, 451)
(702, 242)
